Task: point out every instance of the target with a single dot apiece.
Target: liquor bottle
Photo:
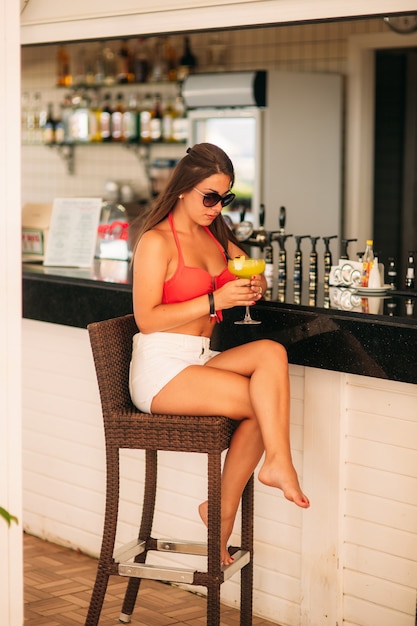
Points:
(179, 123)
(66, 112)
(64, 78)
(39, 118)
(95, 112)
(374, 281)
(392, 273)
(89, 68)
(105, 119)
(159, 67)
(59, 136)
(48, 128)
(145, 118)
(117, 118)
(156, 119)
(124, 63)
(108, 63)
(80, 67)
(98, 66)
(170, 60)
(367, 261)
(79, 120)
(130, 120)
(188, 61)
(141, 62)
(410, 273)
(168, 121)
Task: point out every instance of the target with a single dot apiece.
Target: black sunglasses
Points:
(213, 198)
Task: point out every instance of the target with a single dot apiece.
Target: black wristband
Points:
(211, 302)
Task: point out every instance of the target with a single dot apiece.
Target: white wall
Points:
(379, 523)
(303, 155)
(11, 592)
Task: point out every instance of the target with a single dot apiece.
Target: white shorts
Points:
(157, 358)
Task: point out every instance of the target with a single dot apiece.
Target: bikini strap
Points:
(219, 245)
(177, 241)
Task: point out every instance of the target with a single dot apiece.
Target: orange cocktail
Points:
(246, 268)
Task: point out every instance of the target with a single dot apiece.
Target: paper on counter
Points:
(73, 232)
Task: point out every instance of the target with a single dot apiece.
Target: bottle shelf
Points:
(148, 85)
(142, 150)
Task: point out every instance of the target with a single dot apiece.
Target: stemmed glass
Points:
(246, 268)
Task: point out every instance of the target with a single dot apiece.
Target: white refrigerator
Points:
(286, 153)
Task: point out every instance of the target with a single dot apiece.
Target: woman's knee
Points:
(270, 349)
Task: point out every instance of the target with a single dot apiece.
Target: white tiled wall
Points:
(319, 47)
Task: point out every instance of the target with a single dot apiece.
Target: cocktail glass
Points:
(246, 268)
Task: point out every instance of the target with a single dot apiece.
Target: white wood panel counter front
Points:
(351, 558)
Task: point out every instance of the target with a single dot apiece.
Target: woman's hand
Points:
(240, 292)
(258, 284)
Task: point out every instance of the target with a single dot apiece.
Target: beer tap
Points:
(281, 237)
(281, 219)
(345, 243)
(298, 268)
(261, 235)
(327, 262)
(313, 272)
(244, 229)
(259, 238)
(268, 251)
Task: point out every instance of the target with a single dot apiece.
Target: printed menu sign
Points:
(73, 232)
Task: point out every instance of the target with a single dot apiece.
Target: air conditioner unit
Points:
(225, 89)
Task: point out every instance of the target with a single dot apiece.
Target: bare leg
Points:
(265, 363)
(236, 474)
(252, 384)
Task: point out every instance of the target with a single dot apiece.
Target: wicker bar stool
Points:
(126, 427)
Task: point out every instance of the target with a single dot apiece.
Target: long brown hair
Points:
(200, 162)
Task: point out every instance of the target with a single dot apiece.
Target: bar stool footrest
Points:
(179, 574)
(157, 572)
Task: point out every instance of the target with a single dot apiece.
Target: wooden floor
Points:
(58, 584)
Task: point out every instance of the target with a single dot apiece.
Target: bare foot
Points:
(285, 479)
(226, 558)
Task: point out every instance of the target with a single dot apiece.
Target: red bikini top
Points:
(190, 282)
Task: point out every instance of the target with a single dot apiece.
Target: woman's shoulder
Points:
(157, 232)
(156, 237)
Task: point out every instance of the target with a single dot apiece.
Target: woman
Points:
(181, 284)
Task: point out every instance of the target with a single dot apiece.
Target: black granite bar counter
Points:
(75, 297)
(381, 344)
